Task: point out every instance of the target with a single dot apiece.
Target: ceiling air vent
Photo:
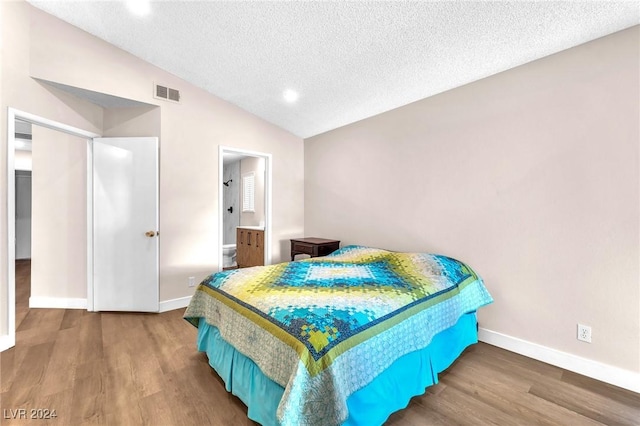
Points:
(166, 93)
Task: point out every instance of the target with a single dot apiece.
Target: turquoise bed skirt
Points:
(390, 391)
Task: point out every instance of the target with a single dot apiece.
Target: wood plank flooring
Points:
(143, 369)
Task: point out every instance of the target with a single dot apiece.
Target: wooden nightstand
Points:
(314, 247)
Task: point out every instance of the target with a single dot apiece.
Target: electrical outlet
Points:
(192, 281)
(584, 333)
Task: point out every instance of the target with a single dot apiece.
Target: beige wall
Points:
(58, 215)
(190, 133)
(531, 176)
(255, 165)
(131, 122)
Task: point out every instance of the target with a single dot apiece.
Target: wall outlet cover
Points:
(584, 333)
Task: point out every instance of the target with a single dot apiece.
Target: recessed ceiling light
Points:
(290, 95)
(139, 7)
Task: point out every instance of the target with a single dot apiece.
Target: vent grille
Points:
(174, 95)
(166, 93)
(161, 92)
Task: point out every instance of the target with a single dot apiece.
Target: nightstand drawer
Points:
(302, 248)
(326, 249)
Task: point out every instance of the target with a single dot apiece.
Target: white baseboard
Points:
(170, 305)
(7, 341)
(57, 303)
(69, 303)
(596, 370)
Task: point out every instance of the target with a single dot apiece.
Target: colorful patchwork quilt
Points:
(325, 327)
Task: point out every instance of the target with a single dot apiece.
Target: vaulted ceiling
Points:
(346, 60)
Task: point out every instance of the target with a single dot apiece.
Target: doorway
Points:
(23, 203)
(87, 228)
(244, 199)
(8, 340)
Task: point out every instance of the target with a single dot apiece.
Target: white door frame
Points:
(267, 199)
(9, 340)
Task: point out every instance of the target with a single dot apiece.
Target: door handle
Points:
(151, 234)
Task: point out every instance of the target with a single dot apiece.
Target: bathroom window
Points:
(248, 192)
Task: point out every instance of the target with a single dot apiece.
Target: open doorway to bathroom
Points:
(245, 206)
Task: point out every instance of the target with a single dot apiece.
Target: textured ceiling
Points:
(347, 60)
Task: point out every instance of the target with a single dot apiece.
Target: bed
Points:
(345, 339)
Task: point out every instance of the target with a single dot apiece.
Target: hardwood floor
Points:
(143, 369)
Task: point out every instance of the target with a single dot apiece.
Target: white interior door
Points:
(125, 224)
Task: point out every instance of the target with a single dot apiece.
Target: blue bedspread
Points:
(325, 327)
